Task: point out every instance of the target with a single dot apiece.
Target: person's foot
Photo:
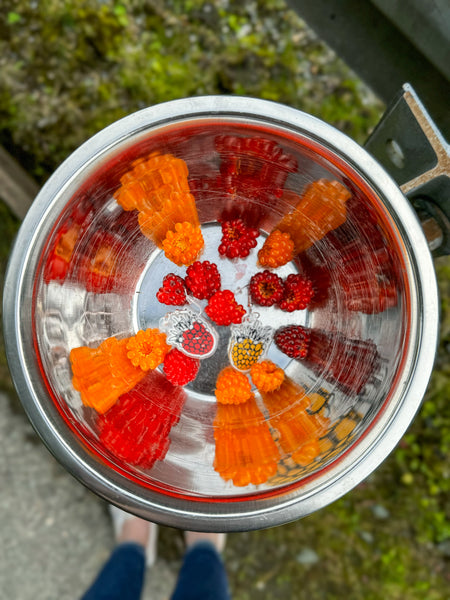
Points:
(128, 528)
(215, 539)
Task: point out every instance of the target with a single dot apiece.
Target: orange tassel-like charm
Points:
(103, 374)
(245, 450)
(158, 188)
(298, 431)
(319, 210)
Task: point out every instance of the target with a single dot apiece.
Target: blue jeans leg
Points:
(202, 575)
(122, 576)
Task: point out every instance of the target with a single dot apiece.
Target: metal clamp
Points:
(411, 148)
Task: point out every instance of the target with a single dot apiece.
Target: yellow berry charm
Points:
(248, 343)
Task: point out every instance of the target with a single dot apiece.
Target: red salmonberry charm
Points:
(293, 340)
(223, 309)
(179, 368)
(237, 239)
(297, 294)
(202, 279)
(197, 340)
(266, 288)
(172, 290)
(191, 334)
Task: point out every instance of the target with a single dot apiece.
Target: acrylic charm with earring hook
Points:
(249, 342)
(190, 333)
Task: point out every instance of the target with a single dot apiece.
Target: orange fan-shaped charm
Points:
(245, 450)
(158, 188)
(103, 374)
(298, 431)
(319, 210)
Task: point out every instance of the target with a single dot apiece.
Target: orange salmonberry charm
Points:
(147, 349)
(183, 245)
(232, 387)
(103, 374)
(278, 250)
(245, 450)
(267, 376)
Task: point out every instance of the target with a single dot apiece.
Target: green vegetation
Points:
(69, 68)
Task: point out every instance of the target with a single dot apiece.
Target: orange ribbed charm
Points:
(319, 210)
(158, 188)
(245, 450)
(103, 374)
(298, 431)
(232, 387)
(266, 376)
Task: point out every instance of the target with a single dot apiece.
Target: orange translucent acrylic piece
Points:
(103, 374)
(299, 432)
(319, 210)
(266, 376)
(183, 245)
(245, 450)
(232, 387)
(158, 188)
(278, 249)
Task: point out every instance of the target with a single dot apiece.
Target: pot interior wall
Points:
(99, 276)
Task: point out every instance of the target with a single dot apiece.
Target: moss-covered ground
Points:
(69, 68)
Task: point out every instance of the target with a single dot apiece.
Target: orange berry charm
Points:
(147, 349)
(183, 245)
(278, 250)
(232, 387)
(266, 376)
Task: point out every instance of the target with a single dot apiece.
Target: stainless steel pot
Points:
(395, 320)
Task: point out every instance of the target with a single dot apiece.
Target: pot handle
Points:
(411, 148)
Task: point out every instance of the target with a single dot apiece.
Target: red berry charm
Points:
(293, 340)
(191, 334)
(266, 288)
(202, 279)
(223, 309)
(298, 292)
(197, 340)
(172, 290)
(237, 239)
(179, 368)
